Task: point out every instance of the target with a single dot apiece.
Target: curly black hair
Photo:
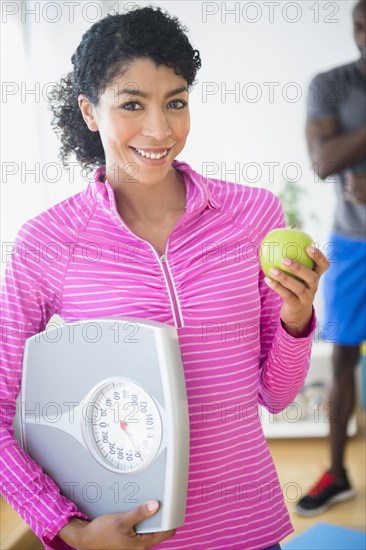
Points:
(106, 50)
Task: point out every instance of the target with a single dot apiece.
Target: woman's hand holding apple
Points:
(293, 268)
(298, 295)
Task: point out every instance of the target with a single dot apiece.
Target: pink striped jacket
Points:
(80, 260)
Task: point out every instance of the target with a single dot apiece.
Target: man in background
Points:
(336, 138)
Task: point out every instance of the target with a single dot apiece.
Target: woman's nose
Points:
(156, 125)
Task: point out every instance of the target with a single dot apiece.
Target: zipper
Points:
(179, 322)
(162, 259)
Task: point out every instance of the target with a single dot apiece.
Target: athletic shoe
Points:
(327, 491)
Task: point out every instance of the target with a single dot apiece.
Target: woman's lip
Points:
(151, 150)
(151, 162)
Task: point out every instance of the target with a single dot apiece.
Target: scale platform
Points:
(103, 410)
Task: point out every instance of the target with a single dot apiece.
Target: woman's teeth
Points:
(153, 156)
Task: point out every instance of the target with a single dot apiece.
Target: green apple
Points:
(285, 243)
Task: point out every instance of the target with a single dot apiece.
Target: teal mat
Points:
(324, 536)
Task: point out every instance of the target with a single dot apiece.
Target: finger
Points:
(352, 199)
(302, 290)
(295, 285)
(282, 291)
(151, 539)
(144, 511)
(356, 197)
(307, 276)
(357, 200)
(321, 261)
(350, 195)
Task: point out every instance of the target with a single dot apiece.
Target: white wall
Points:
(261, 45)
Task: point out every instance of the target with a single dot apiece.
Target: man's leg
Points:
(334, 485)
(342, 401)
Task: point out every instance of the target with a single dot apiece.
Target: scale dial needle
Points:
(123, 425)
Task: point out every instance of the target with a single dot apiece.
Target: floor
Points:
(299, 463)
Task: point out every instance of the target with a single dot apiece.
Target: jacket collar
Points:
(198, 194)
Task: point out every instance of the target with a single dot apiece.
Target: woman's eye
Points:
(183, 103)
(125, 105)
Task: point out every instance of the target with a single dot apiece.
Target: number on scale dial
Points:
(123, 428)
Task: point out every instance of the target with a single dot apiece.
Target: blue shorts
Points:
(345, 291)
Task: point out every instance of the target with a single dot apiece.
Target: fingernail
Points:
(268, 281)
(287, 261)
(311, 248)
(152, 505)
(274, 271)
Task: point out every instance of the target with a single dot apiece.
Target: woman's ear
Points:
(87, 111)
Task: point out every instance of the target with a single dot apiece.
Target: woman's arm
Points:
(287, 325)
(28, 300)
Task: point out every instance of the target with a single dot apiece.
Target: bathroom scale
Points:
(103, 410)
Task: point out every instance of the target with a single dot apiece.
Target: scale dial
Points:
(122, 427)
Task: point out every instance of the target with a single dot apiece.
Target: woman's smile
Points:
(152, 156)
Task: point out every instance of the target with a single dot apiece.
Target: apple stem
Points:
(293, 226)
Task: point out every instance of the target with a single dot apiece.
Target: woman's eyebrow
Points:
(131, 91)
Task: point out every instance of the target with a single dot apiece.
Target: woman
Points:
(174, 248)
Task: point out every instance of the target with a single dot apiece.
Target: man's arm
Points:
(329, 152)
